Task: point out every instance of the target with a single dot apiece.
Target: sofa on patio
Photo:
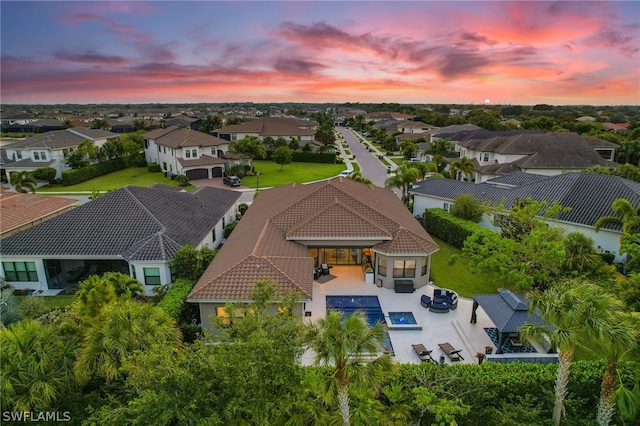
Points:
(444, 296)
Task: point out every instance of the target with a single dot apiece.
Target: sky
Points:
(502, 52)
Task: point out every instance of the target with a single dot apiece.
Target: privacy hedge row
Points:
(309, 157)
(153, 167)
(449, 228)
(71, 177)
(45, 173)
(174, 301)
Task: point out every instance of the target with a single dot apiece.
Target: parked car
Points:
(231, 180)
(345, 173)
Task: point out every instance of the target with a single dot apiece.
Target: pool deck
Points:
(453, 327)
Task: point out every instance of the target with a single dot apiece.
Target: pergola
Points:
(507, 310)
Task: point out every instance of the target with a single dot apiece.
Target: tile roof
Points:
(204, 160)
(58, 139)
(126, 221)
(589, 196)
(17, 209)
(178, 137)
(28, 163)
(271, 126)
(263, 243)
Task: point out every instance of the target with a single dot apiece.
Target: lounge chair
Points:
(423, 353)
(451, 352)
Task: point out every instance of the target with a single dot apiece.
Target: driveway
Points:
(247, 193)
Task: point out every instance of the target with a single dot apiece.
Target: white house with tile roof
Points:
(132, 230)
(588, 196)
(185, 151)
(48, 149)
(290, 230)
(274, 127)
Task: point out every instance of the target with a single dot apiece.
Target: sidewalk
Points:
(376, 152)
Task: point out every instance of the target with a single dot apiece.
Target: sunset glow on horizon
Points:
(533, 52)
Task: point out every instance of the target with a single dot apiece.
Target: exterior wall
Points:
(421, 203)
(208, 310)
(165, 156)
(40, 284)
(545, 172)
(387, 281)
(137, 269)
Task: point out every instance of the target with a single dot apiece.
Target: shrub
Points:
(183, 180)
(174, 301)
(467, 207)
(237, 170)
(45, 173)
(242, 208)
(153, 167)
(228, 229)
(71, 177)
(449, 228)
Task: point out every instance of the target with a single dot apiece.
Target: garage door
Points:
(198, 174)
(216, 172)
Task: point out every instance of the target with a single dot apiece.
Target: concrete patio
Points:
(453, 327)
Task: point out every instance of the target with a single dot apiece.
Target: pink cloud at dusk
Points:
(417, 52)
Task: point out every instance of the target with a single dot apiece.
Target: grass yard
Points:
(270, 174)
(51, 302)
(457, 277)
(113, 180)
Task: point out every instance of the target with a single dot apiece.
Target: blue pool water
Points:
(370, 305)
(402, 318)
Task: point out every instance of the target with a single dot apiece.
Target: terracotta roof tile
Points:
(17, 210)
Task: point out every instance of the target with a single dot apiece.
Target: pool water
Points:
(398, 318)
(370, 305)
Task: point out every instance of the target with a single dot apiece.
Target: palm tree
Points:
(574, 311)
(580, 254)
(626, 217)
(37, 365)
(344, 343)
(23, 182)
(464, 166)
(250, 146)
(126, 328)
(408, 148)
(124, 285)
(405, 177)
(9, 307)
(357, 176)
(620, 338)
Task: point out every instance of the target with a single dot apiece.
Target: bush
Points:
(71, 177)
(228, 229)
(242, 208)
(174, 301)
(154, 168)
(449, 228)
(183, 180)
(45, 173)
(239, 170)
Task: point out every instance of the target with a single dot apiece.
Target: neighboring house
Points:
(37, 126)
(385, 115)
(498, 153)
(48, 149)
(589, 197)
(274, 127)
(291, 229)
(21, 211)
(184, 121)
(413, 127)
(190, 152)
(132, 230)
(17, 118)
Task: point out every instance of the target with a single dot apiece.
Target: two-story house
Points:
(185, 151)
(274, 127)
(48, 149)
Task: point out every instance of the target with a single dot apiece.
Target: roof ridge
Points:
(144, 207)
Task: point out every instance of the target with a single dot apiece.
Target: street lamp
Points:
(257, 181)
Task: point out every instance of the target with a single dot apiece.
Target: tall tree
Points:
(574, 312)
(249, 146)
(462, 168)
(626, 216)
(357, 176)
(409, 148)
(441, 146)
(581, 257)
(403, 179)
(190, 263)
(344, 343)
(467, 207)
(81, 156)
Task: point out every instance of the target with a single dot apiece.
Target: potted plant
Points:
(480, 357)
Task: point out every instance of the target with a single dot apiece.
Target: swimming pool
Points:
(370, 305)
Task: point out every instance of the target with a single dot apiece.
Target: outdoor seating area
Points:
(451, 352)
(443, 296)
(423, 353)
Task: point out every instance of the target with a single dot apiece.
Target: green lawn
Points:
(270, 174)
(113, 180)
(51, 302)
(457, 277)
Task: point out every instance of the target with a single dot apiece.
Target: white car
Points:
(345, 173)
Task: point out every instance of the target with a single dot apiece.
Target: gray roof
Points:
(58, 139)
(27, 163)
(132, 222)
(517, 179)
(589, 196)
(507, 311)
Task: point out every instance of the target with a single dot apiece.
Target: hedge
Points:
(309, 157)
(449, 228)
(45, 173)
(173, 302)
(154, 167)
(71, 177)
